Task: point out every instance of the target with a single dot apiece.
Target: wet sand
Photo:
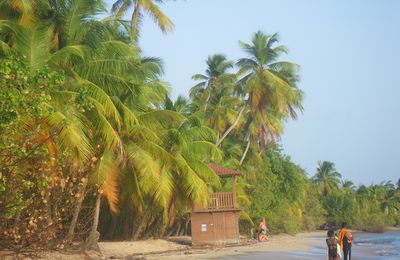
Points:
(309, 245)
(278, 247)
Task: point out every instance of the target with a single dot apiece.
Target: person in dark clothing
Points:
(346, 239)
(332, 244)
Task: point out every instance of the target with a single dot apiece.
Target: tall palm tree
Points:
(182, 176)
(327, 177)
(220, 113)
(269, 84)
(99, 70)
(216, 74)
(216, 95)
(120, 7)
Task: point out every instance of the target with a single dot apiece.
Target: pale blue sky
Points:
(349, 52)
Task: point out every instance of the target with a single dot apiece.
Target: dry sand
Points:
(278, 247)
(121, 250)
(176, 249)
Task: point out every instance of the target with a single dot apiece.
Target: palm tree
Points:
(216, 95)
(91, 60)
(182, 105)
(180, 179)
(192, 145)
(348, 185)
(216, 74)
(120, 7)
(269, 84)
(389, 197)
(221, 114)
(327, 177)
(105, 119)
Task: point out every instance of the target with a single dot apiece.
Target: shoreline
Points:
(306, 245)
(277, 244)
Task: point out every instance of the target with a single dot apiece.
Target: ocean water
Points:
(367, 246)
(386, 244)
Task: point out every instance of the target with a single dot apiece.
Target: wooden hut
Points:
(218, 223)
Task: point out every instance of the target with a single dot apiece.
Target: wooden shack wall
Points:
(215, 228)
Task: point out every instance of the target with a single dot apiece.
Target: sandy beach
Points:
(277, 244)
(307, 245)
(175, 248)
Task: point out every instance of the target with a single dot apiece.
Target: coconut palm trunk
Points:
(142, 224)
(231, 127)
(245, 152)
(91, 242)
(172, 212)
(186, 231)
(71, 231)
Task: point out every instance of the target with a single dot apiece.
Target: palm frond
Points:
(71, 135)
(160, 119)
(104, 127)
(120, 7)
(163, 190)
(106, 177)
(110, 189)
(199, 77)
(205, 173)
(204, 149)
(34, 44)
(194, 188)
(101, 97)
(129, 118)
(163, 22)
(147, 168)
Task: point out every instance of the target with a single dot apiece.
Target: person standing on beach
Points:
(332, 244)
(346, 239)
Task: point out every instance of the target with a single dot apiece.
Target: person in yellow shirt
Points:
(346, 239)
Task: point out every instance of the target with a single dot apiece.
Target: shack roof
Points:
(221, 171)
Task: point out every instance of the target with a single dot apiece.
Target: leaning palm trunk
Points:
(152, 228)
(245, 152)
(91, 242)
(139, 229)
(178, 229)
(231, 127)
(187, 226)
(77, 210)
(172, 212)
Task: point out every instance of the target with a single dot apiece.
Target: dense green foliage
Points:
(279, 193)
(92, 145)
(292, 202)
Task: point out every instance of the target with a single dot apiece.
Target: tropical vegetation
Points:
(93, 147)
